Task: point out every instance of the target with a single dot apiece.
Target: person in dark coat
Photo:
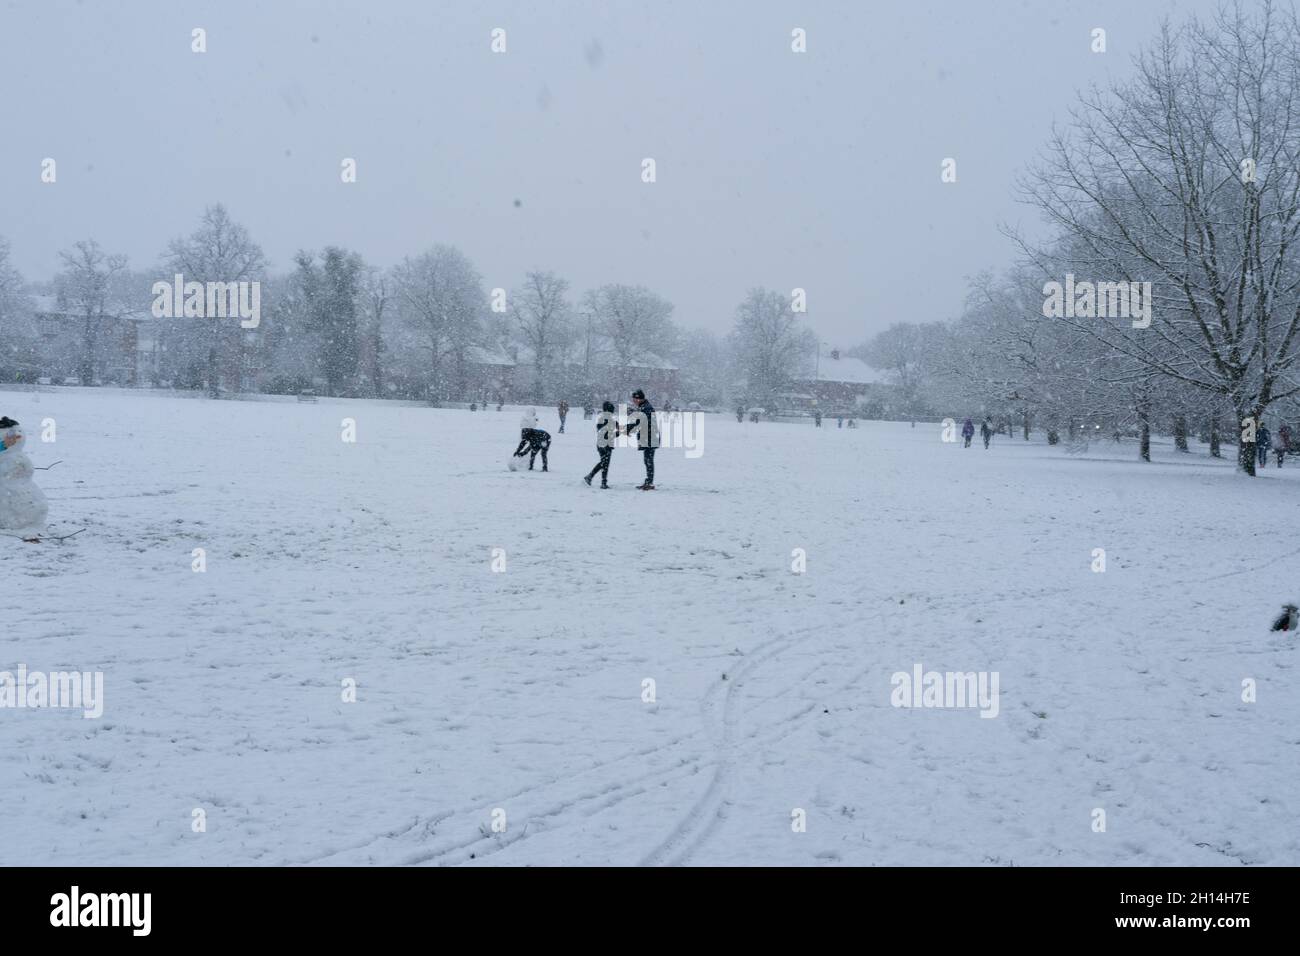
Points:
(986, 431)
(642, 424)
(563, 409)
(740, 414)
(532, 440)
(606, 432)
(968, 431)
(817, 418)
(1283, 443)
(1263, 442)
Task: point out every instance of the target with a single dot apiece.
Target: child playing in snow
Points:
(532, 438)
(606, 431)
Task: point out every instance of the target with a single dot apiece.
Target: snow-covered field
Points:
(522, 691)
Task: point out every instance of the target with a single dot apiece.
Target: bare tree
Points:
(543, 317)
(88, 287)
(907, 352)
(1189, 177)
(770, 347)
(441, 298)
(375, 296)
(635, 321)
(219, 250)
(10, 280)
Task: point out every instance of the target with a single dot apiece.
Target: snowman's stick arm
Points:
(47, 467)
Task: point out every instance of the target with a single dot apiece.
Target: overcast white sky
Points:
(818, 170)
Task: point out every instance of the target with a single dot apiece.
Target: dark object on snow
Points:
(646, 430)
(1287, 620)
(7, 422)
(534, 440)
(606, 432)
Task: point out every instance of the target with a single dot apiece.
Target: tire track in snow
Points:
(695, 825)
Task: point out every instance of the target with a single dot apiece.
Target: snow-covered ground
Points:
(522, 690)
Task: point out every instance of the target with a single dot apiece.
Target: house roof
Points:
(49, 305)
(852, 371)
(602, 354)
(485, 356)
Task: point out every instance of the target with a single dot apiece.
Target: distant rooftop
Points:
(834, 366)
(49, 305)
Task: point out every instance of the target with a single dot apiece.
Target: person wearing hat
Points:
(642, 423)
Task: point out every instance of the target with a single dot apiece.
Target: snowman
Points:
(22, 504)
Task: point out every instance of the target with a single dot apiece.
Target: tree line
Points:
(338, 325)
(1186, 177)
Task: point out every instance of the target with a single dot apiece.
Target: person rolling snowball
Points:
(531, 441)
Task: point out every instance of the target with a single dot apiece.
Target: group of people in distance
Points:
(968, 431)
(534, 440)
(1264, 442)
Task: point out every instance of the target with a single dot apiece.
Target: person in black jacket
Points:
(532, 439)
(606, 432)
(642, 424)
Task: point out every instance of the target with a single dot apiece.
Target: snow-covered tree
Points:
(329, 292)
(89, 288)
(219, 250)
(1188, 176)
(440, 296)
(543, 320)
(770, 347)
(634, 320)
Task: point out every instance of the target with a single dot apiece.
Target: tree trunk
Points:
(87, 369)
(1144, 434)
(214, 361)
(1180, 433)
(1214, 437)
(376, 362)
(1246, 449)
(1026, 424)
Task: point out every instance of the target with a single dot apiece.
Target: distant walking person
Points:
(564, 413)
(817, 418)
(968, 431)
(606, 432)
(1283, 443)
(740, 414)
(532, 439)
(986, 432)
(646, 429)
(1263, 442)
